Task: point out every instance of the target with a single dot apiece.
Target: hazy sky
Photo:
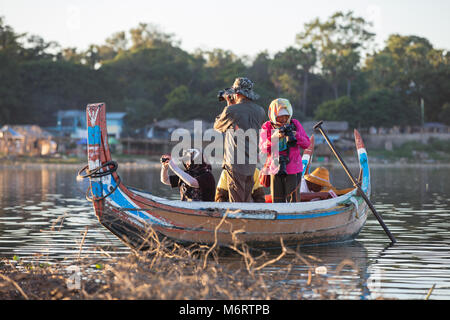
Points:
(244, 27)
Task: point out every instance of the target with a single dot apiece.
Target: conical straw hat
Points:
(320, 176)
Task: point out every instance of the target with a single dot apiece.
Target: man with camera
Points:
(196, 182)
(240, 119)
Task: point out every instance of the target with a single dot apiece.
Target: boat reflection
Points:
(331, 271)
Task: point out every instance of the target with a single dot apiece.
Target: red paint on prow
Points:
(358, 140)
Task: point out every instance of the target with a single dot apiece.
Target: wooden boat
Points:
(131, 214)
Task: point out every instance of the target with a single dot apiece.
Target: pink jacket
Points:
(295, 158)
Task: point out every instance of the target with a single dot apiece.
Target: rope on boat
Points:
(96, 173)
(89, 190)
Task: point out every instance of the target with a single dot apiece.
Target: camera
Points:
(222, 94)
(283, 160)
(164, 159)
(291, 141)
(288, 131)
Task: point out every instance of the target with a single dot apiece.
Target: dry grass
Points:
(169, 271)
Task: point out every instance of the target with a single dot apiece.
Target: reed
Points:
(168, 270)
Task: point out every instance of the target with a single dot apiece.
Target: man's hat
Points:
(320, 176)
(244, 86)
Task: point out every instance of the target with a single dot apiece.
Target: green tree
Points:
(140, 113)
(386, 108)
(339, 41)
(9, 40)
(259, 73)
(286, 75)
(150, 36)
(38, 49)
(49, 86)
(11, 92)
(341, 109)
(411, 65)
(10, 89)
(222, 67)
(179, 102)
(444, 115)
(308, 60)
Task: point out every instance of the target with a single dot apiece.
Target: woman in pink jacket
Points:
(281, 139)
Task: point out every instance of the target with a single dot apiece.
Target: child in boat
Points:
(283, 165)
(196, 182)
(222, 194)
(317, 186)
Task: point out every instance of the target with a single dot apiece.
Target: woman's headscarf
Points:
(275, 108)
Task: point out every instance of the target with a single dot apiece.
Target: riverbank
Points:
(169, 271)
(377, 159)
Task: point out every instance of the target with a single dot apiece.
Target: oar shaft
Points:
(376, 214)
(339, 157)
(355, 183)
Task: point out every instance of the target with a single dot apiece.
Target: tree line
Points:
(332, 71)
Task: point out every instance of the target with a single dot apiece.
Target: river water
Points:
(44, 216)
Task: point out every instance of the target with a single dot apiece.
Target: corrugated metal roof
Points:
(32, 131)
(115, 115)
(336, 126)
(12, 132)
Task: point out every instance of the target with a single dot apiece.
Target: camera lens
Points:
(220, 95)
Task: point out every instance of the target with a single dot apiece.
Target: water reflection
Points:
(43, 212)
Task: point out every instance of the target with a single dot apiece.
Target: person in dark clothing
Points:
(196, 182)
(241, 118)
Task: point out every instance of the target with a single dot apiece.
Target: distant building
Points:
(11, 142)
(114, 123)
(335, 130)
(29, 140)
(436, 127)
(72, 123)
(163, 129)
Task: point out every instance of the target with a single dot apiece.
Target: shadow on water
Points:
(44, 216)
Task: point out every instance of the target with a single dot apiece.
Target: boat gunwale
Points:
(298, 208)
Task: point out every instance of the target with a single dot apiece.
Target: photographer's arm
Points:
(301, 136)
(188, 179)
(223, 121)
(277, 133)
(165, 174)
(265, 141)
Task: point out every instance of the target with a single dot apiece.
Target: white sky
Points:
(245, 27)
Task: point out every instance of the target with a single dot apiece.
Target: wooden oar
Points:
(318, 126)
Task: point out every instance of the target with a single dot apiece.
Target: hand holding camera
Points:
(226, 95)
(288, 131)
(165, 158)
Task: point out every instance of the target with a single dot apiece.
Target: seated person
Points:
(317, 186)
(196, 182)
(222, 188)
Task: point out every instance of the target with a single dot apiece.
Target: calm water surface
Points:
(44, 215)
